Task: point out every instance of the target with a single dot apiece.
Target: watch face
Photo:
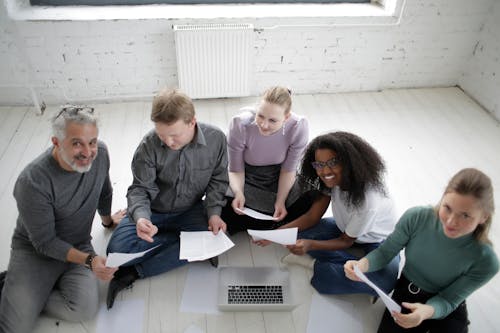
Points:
(88, 261)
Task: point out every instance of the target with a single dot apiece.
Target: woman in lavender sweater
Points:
(265, 144)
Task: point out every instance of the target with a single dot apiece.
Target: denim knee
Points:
(123, 236)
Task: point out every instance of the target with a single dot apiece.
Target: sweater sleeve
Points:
(236, 145)
(481, 271)
(394, 243)
(36, 210)
(298, 142)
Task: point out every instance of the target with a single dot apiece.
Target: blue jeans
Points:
(36, 283)
(329, 276)
(166, 256)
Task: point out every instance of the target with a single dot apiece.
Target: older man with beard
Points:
(53, 267)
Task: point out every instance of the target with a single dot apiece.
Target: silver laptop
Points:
(254, 289)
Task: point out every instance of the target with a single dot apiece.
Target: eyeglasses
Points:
(74, 109)
(330, 163)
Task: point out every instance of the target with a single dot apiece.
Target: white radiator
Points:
(213, 60)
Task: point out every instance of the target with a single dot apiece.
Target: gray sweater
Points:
(56, 207)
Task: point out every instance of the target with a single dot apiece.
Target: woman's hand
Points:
(262, 242)
(301, 247)
(279, 211)
(419, 313)
(238, 203)
(349, 268)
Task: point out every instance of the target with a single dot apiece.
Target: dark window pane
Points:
(149, 2)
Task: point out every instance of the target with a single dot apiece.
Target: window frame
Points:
(98, 3)
(378, 12)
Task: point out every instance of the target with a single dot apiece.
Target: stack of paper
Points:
(202, 245)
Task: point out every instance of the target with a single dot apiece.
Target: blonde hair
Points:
(170, 105)
(475, 183)
(279, 95)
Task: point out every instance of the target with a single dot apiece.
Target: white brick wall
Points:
(14, 74)
(90, 60)
(481, 78)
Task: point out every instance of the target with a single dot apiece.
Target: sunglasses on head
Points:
(74, 109)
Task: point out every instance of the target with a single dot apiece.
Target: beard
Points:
(71, 161)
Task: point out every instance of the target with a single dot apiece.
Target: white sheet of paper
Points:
(199, 295)
(256, 215)
(389, 302)
(117, 259)
(125, 316)
(329, 314)
(286, 236)
(201, 245)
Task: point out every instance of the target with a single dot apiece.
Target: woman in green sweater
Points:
(448, 256)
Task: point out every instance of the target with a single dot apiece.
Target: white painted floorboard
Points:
(425, 136)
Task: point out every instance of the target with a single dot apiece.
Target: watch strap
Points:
(89, 260)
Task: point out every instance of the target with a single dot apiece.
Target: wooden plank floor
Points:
(425, 136)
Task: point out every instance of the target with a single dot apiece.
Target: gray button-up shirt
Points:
(171, 181)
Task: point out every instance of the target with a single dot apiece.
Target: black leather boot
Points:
(124, 278)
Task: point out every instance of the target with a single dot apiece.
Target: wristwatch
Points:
(88, 260)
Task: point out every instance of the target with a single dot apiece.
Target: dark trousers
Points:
(455, 322)
(236, 223)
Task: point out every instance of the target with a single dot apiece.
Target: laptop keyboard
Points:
(255, 294)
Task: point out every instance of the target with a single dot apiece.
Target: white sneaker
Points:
(305, 261)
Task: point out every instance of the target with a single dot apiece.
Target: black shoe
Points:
(124, 278)
(214, 261)
(3, 275)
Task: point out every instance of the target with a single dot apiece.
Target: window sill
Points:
(21, 10)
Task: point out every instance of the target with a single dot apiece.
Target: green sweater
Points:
(451, 268)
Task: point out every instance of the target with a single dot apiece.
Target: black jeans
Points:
(455, 322)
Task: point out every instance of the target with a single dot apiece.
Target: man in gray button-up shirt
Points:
(176, 165)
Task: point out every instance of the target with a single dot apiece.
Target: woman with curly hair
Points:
(348, 172)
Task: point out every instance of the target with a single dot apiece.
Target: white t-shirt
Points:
(371, 222)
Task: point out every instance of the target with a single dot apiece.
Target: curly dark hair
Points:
(362, 166)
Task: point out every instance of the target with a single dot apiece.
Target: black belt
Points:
(414, 289)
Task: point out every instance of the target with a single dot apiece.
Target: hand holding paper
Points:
(389, 302)
(282, 236)
(256, 215)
